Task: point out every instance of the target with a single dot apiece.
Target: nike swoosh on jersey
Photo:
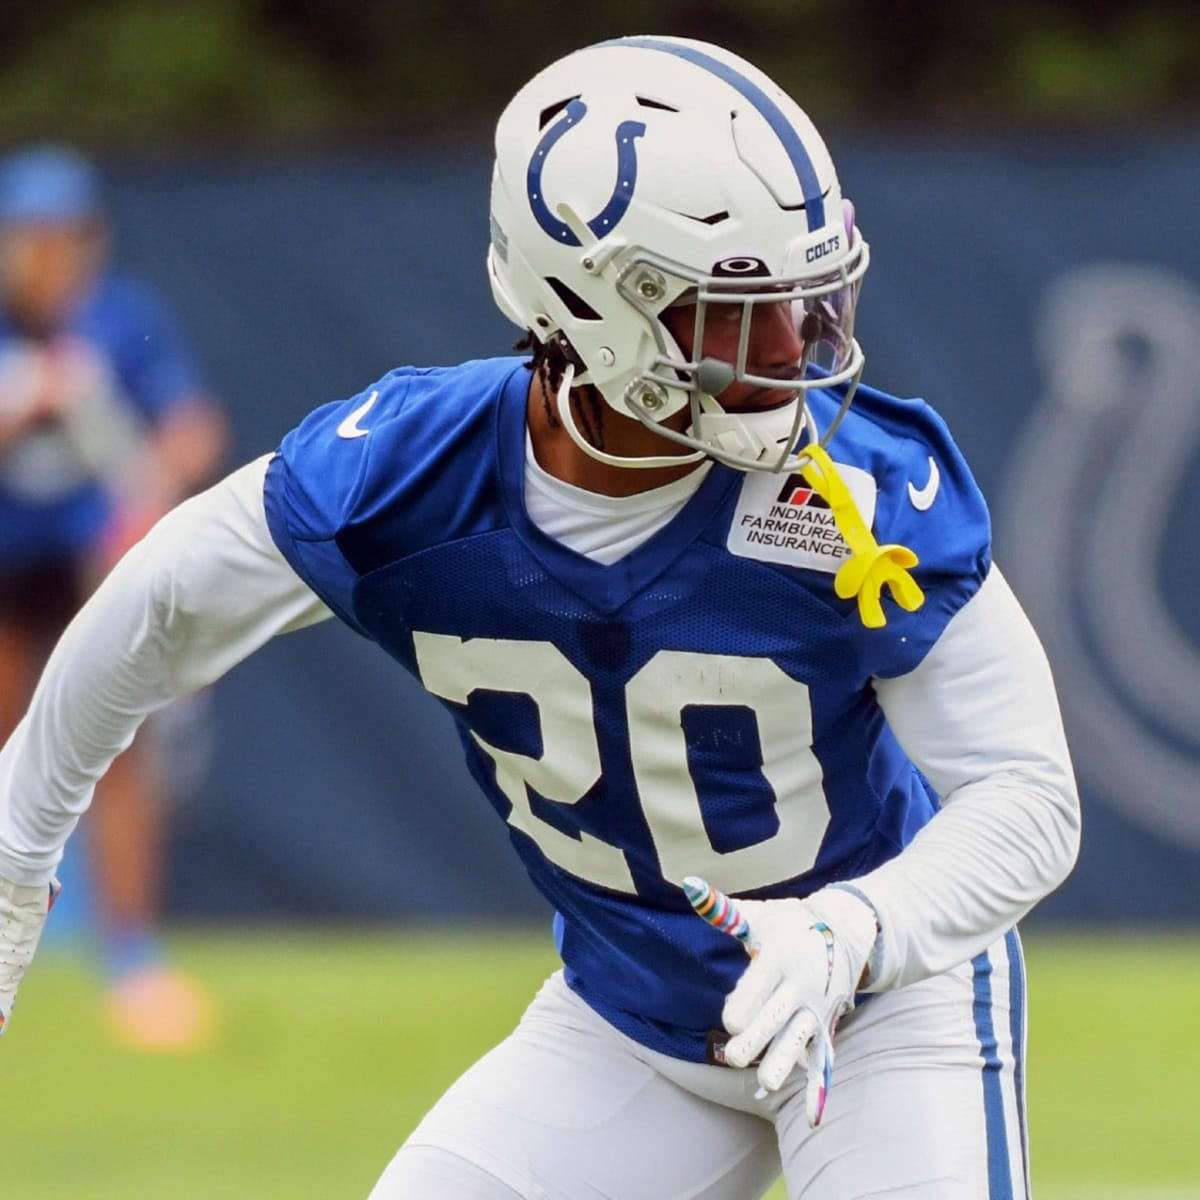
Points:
(922, 498)
(350, 427)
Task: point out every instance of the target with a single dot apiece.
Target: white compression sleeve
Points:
(205, 588)
(980, 718)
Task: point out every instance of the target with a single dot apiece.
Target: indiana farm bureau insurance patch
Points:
(782, 520)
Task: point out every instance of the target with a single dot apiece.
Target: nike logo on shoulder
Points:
(350, 427)
(923, 497)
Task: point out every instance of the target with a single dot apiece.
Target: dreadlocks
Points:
(549, 360)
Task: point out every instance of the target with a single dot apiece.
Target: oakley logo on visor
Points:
(741, 267)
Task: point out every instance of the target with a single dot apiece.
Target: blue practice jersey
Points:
(51, 504)
(703, 706)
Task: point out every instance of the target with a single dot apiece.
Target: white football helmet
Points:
(647, 172)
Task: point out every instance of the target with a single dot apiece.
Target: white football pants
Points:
(927, 1103)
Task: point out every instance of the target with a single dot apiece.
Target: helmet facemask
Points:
(765, 434)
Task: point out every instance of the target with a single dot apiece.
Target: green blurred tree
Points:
(262, 70)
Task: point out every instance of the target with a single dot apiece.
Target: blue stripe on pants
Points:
(1016, 1018)
(1000, 1183)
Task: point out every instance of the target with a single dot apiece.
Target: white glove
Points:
(23, 913)
(808, 961)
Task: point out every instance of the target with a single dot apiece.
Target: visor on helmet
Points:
(821, 309)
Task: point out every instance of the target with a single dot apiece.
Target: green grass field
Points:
(335, 1043)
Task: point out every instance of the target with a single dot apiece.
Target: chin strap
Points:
(562, 403)
(870, 566)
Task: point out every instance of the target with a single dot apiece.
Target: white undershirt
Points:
(208, 586)
(603, 528)
(606, 528)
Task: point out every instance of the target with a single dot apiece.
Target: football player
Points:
(701, 606)
(104, 424)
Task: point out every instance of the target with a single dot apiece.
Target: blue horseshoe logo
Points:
(606, 219)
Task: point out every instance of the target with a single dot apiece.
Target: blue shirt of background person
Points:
(91, 361)
(104, 426)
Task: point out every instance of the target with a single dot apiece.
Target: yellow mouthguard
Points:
(870, 565)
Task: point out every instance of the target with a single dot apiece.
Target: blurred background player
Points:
(104, 425)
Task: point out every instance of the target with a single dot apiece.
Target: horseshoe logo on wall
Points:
(618, 203)
(1092, 494)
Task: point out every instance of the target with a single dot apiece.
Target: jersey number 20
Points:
(655, 700)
